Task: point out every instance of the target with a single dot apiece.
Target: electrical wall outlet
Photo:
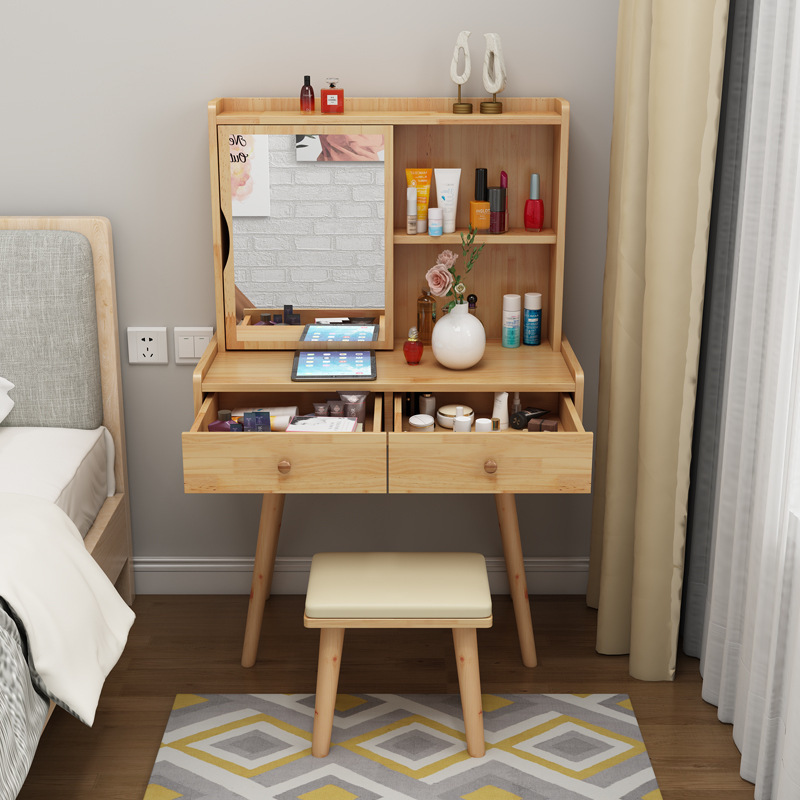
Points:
(147, 346)
(191, 343)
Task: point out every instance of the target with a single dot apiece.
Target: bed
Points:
(66, 572)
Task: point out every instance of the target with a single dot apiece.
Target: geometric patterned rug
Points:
(403, 747)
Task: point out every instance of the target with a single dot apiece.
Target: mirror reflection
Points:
(308, 220)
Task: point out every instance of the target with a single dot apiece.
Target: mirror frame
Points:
(243, 334)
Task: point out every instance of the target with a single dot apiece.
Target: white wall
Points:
(104, 112)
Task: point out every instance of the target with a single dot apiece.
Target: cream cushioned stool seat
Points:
(398, 590)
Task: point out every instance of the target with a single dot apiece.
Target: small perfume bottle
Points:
(534, 207)
(479, 207)
(307, 96)
(426, 315)
(472, 304)
(412, 349)
(332, 98)
(222, 423)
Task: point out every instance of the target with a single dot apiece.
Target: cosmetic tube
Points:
(447, 195)
(411, 210)
(500, 409)
(420, 178)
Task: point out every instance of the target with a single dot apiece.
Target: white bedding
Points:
(72, 468)
(76, 622)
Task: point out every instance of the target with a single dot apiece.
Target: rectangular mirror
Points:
(308, 211)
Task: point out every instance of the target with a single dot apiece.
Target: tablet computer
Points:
(340, 333)
(334, 365)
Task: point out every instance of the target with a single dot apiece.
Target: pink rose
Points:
(439, 279)
(447, 257)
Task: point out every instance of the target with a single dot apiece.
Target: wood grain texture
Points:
(193, 644)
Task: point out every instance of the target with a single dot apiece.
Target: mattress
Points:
(69, 467)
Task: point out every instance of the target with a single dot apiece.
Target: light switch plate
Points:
(190, 343)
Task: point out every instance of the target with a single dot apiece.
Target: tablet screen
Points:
(328, 365)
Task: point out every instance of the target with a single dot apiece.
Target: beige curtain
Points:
(670, 59)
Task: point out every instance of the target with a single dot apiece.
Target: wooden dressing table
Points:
(248, 365)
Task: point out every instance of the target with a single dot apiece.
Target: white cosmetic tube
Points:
(447, 194)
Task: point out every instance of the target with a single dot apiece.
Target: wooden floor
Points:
(193, 644)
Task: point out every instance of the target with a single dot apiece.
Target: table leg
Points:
(269, 528)
(515, 566)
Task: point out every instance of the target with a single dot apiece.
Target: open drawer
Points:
(284, 462)
(442, 461)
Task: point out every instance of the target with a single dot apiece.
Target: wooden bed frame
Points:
(109, 538)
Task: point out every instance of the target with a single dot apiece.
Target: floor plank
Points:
(193, 644)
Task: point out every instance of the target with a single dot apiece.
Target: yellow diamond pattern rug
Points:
(403, 747)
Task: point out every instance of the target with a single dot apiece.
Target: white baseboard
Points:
(198, 575)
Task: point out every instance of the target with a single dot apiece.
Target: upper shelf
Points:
(511, 236)
(389, 111)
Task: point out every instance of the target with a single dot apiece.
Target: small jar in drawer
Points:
(283, 461)
(511, 460)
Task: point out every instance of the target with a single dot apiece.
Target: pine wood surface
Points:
(182, 644)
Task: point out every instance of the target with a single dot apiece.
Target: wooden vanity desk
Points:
(248, 365)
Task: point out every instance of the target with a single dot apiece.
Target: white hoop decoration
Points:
(494, 69)
(463, 45)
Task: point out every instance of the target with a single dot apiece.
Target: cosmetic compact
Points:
(421, 422)
(446, 415)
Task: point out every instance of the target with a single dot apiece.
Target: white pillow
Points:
(6, 403)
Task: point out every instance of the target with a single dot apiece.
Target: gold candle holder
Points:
(459, 107)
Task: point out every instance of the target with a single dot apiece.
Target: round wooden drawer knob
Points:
(490, 467)
(284, 467)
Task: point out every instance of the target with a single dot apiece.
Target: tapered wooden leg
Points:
(465, 641)
(269, 528)
(515, 566)
(330, 658)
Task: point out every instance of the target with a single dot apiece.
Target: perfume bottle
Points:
(479, 207)
(332, 98)
(426, 315)
(307, 96)
(534, 207)
(412, 349)
(472, 304)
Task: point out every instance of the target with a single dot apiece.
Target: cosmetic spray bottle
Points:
(532, 330)
(534, 207)
(307, 96)
(511, 320)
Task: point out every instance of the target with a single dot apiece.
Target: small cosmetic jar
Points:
(483, 425)
(462, 424)
(421, 422)
(445, 415)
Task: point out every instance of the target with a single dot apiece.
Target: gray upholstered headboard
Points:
(48, 329)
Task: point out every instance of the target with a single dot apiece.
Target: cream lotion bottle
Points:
(512, 306)
(411, 211)
(447, 193)
(500, 409)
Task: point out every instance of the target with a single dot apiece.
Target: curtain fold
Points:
(725, 212)
(670, 59)
(750, 649)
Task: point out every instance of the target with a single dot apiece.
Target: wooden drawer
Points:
(507, 461)
(308, 463)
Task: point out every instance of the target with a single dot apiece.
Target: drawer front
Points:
(507, 461)
(307, 463)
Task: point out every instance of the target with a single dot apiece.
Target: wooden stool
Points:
(398, 590)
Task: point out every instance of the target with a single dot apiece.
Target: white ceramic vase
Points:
(458, 339)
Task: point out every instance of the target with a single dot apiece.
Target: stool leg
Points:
(465, 641)
(330, 658)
